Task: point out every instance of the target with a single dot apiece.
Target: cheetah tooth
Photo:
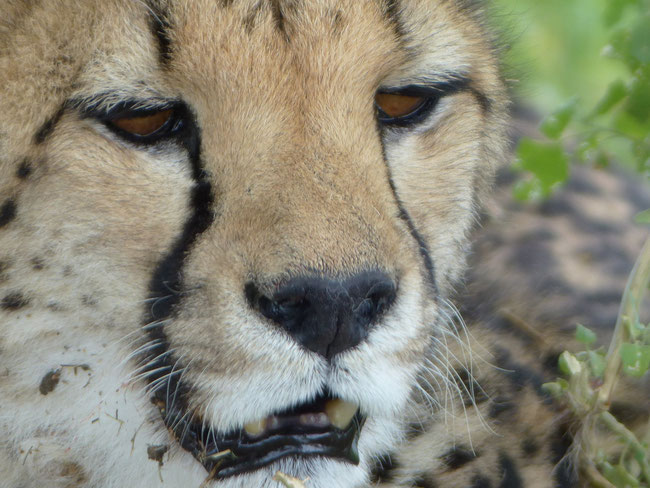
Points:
(340, 412)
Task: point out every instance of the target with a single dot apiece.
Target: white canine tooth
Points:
(340, 412)
(255, 428)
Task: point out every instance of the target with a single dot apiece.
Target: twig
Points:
(630, 305)
(289, 481)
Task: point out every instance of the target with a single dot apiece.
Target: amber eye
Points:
(395, 106)
(144, 125)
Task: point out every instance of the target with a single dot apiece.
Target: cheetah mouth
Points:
(326, 427)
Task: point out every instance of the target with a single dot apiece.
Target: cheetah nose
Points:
(327, 316)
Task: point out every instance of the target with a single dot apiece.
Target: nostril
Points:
(381, 295)
(281, 310)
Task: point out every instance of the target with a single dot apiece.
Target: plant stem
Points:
(630, 304)
(630, 439)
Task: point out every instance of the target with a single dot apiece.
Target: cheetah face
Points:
(256, 209)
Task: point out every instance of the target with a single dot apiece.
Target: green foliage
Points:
(546, 162)
(607, 116)
(591, 60)
(589, 380)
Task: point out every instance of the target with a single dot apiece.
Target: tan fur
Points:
(303, 183)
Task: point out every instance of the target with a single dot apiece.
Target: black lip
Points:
(237, 453)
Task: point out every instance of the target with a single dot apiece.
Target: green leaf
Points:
(527, 190)
(598, 363)
(569, 364)
(638, 103)
(634, 328)
(553, 388)
(616, 91)
(635, 359)
(553, 126)
(640, 40)
(547, 162)
(585, 335)
(614, 11)
(643, 217)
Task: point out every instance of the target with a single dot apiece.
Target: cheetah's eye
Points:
(403, 109)
(395, 105)
(146, 125)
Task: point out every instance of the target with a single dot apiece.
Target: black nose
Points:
(327, 316)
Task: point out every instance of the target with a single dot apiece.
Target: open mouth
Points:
(327, 427)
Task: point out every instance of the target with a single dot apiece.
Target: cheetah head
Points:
(244, 217)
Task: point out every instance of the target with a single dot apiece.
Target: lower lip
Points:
(241, 456)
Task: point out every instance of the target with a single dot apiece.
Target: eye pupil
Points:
(144, 125)
(395, 105)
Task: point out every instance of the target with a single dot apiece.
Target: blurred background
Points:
(582, 69)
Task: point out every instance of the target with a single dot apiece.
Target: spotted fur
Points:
(123, 266)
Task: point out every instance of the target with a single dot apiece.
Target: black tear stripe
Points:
(160, 27)
(165, 290)
(48, 126)
(404, 215)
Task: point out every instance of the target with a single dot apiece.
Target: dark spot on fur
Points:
(37, 264)
(278, 18)
(415, 430)
(383, 469)
(14, 301)
(458, 457)
(480, 482)
(49, 381)
(520, 375)
(501, 405)
(565, 474)
(582, 185)
(7, 212)
(529, 446)
(337, 21)
(471, 391)
(510, 477)
(425, 481)
(74, 473)
(159, 26)
(251, 17)
(156, 453)
(48, 126)
(392, 13)
(88, 301)
(24, 170)
(55, 307)
(4, 267)
(556, 206)
(561, 441)
(533, 257)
